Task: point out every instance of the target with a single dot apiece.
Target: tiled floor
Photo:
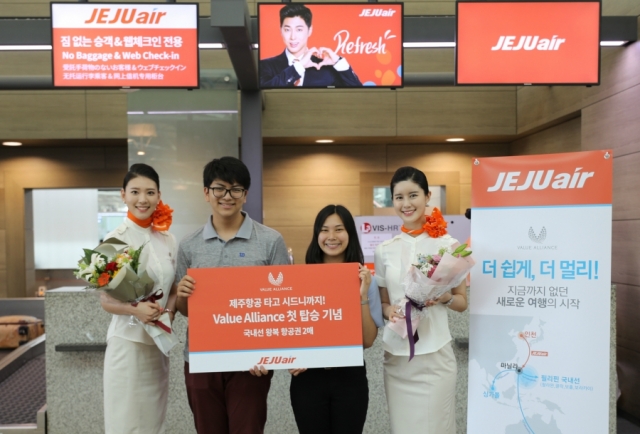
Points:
(627, 425)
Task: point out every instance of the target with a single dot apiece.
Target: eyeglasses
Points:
(220, 192)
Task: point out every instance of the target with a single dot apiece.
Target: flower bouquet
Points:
(427, 279)
(113, 267)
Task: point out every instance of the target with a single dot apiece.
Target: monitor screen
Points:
(322, 45)
(125, 45)
(521, 43)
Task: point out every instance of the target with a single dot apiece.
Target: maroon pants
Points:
(228, 402)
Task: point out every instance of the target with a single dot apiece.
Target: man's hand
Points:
(329, 57)
(295, 372)
(258, 371)
(186, 287)
(306, 61)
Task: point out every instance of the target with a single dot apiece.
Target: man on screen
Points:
(299, 65)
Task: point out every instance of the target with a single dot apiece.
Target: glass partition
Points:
(178, 132)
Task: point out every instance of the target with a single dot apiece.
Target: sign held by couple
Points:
(279, 317)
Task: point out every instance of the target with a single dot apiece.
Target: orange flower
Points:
(162, 217)
(436, 225)
(103, 279)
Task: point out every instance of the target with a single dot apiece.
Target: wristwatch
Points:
(448, 303)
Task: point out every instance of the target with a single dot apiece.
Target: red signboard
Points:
(125, 45)
(349, 45)
(528, 42)
(276, 316)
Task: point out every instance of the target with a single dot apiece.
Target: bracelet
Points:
(363, 302)
(448, 303)
(169, 310)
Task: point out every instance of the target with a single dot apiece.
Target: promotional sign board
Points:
(125, 45)
(539, 340)
(534, 42)
(325, 45)
(279, 317)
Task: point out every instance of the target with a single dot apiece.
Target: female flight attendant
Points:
(335, 400)
(136, 372)
(421, 391)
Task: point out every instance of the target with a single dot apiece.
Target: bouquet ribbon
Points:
(413, 337)
(153, 298)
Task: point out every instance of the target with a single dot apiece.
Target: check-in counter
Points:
(76, 334)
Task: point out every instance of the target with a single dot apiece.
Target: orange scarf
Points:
(435, 225)
(161, 218)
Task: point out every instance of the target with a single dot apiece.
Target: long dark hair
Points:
(353, 252)
(141, 169)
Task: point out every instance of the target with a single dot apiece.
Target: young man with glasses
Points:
(227, 402)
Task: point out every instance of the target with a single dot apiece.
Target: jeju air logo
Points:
(278, 281)
(377, 12)
(124, 16)
(345, 46)
(365, 228)
(538, 238)
(528, 43)
(275, 360)
(540, 180)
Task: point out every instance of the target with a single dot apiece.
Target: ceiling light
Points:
(211, 46)
(12, 143)
(324, 141)
(140, 152)
(25, 47)
(428, 44)
(612, 43)
(455, 139)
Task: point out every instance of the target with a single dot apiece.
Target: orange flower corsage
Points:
(162, 217)
(435, 225)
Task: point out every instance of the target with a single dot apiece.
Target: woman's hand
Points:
(442, 299)
(148, 312)
(297, 371)
(365, 279)
(393, 312)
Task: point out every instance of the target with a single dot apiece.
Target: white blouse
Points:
(158, 257)
(392, 259)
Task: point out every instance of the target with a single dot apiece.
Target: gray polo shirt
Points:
(254, 244)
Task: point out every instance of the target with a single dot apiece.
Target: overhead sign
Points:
(319, 45)
(125, 45)
(534, 42)
(279, 317)
(541, 294)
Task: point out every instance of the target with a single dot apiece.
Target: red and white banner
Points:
(541, 236)
(528, 42)
(125, 45)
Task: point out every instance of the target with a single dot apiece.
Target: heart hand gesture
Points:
(329, 57)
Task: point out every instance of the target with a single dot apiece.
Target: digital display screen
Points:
(322, 45)
(125, 45)
(521, 43)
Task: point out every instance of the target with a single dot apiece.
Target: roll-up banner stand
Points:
(540, 306)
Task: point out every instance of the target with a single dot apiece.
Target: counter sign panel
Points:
(528, 43)
(125, 45)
